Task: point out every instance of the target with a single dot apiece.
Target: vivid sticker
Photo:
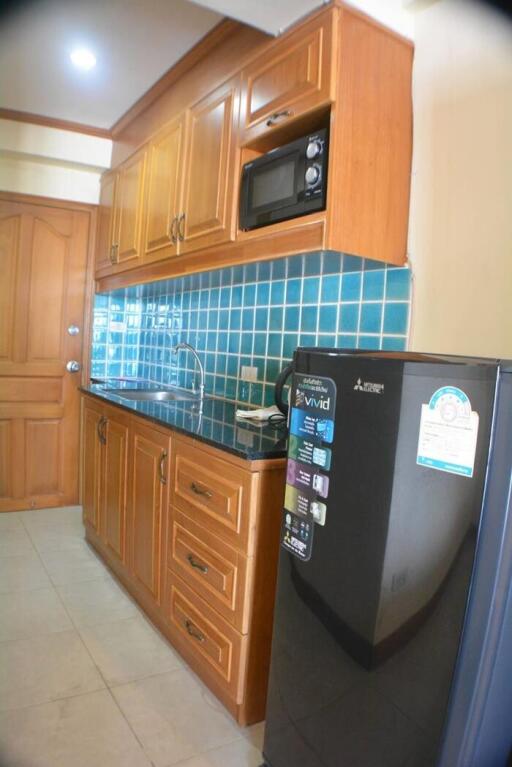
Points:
(448, 433)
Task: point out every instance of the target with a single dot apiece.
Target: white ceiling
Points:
(135, 42)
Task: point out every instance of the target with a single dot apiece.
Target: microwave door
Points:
(275, 187)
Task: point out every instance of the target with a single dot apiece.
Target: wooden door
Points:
(128, 211)
(209, 200)
(148, 503)
(164, 192)
(43, 259)
(93, 423)
(294, 77)
(105, 230)
(114, 482)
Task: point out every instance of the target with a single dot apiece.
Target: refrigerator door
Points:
(369, 611)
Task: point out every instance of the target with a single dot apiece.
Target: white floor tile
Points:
(23, 572)
(255, 735)
(14, 540)
(86, 731)
(129, 649)
(73, 565)
(238, 754)
(46, 668)
(173, 718)
(97, 601)
(29, 614)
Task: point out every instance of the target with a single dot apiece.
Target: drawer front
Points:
(213, 493)
(213, 645)
(289, 80)
(214, 570)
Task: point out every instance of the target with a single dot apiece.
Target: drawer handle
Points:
(198, 566)
(193, 631)
(161, 475)
(200, 490)
(276, 117)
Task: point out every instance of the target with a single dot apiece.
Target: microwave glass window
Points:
(275, 183)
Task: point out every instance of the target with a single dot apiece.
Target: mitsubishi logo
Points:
(369, 387)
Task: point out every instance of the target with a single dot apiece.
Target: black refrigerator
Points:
(392, 643)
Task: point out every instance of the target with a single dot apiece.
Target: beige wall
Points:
(44, 161)
(460, 236)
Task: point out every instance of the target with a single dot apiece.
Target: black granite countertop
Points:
(216, 425)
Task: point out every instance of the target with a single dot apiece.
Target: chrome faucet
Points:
(190, 348)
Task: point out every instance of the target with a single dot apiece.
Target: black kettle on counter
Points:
(279, 385)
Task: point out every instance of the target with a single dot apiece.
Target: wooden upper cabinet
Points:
(209, 200)
(105, 230)
(164, 192)
(128, 211)
(294, 77)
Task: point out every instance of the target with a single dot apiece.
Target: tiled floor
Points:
(84, 678)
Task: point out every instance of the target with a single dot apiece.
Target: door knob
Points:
(73, 366)
(73, 330)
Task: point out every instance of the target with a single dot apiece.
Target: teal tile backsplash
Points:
(253, 315)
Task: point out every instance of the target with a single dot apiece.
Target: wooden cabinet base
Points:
(192, 533)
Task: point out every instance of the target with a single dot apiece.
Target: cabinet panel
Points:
(150, 460)
(128, 210)
(114, 485)
(289, 80)
(210, 168)
(164, 192)
(105, 228)
(91, 462)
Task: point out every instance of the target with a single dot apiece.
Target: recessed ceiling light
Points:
(83, 58)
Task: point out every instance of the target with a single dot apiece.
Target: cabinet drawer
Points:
(294, 77)
(205, 639)
(214, 570)
(213, 493)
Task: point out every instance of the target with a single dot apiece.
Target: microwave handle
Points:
(276, 117)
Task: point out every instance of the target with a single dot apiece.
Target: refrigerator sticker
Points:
(304, 505)
(297, 536)
(307, 452)
(304, 477)
(302, 424)
(448, 433)
(314, 394)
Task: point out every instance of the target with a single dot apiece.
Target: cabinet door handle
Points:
(181, 227)
(112, 257)
(197, 565)
(173, 229)
(100, 430)
(276, 117)
(193, 631)
(161, 475)
(200, 490)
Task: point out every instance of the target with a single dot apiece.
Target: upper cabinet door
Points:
(128, 210)
(209, 201)
(294, 77)
(105, 231)
(164, 192)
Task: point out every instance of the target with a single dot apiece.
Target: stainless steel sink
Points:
(155, 395)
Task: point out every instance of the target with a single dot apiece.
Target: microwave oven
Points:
(285, 183)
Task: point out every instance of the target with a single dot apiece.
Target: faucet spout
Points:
(188, 347)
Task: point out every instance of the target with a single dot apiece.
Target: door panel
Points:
(9, 256)
(129, 210)
(150, 472)
(43, 251)
(164, 192)
(209, 177)
(6, 460)
(113, 501)
(42, 457)
(47, 298)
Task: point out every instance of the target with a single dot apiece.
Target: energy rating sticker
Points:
(297, 535)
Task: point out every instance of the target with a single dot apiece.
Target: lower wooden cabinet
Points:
(193, 534)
